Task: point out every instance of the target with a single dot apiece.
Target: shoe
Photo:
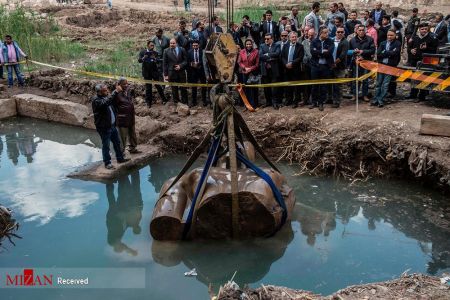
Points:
(335, 105)
(276, 107)
(353, 98)
(366, 99)
(109, 167)
(295, 105)
(120, 161)
(380, 105)
(134, 151)
(312, 106)
(410, 97)
(321, 107)
(417, 100)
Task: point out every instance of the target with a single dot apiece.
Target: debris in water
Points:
(192, 272)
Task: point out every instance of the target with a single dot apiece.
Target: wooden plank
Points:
(435, 125)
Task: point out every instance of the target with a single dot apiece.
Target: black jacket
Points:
(208, 32)
(170, 60)
(429, 41)
(101, 109)
(195, 71)
(441, 33)
(341, 53)
(317, 54)
(299, 52)
(269, 59)
(366, 44)
(393, 54)
(372, 16)
(382, 33)
(350, 25)
(275, 30)
(150, 63)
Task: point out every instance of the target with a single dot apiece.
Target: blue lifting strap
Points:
(211, 158)
(276, 192)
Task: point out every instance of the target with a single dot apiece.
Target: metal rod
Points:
(234, 176)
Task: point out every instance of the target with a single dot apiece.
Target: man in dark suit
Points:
(269, 26)
(214, 27)
(292, 57)
(269, 55)
(196, 73)
(377, 14)
(340, 63)
(440, 31)
(322, 49)
(388, 53)
(174, 68)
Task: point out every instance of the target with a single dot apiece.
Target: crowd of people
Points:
(292, 49)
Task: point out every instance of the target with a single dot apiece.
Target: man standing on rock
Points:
(105, 123)
(11, 55)
(123, 103)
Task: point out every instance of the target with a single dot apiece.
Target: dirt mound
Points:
(414, 286)
(95, 19)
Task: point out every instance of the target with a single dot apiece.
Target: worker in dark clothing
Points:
(150, 59)
(105, 123)
(422, 42)
(126, 121)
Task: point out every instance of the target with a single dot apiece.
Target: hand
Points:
(289, 65)
(410, 41)
(177, 67)
(145, 56)
(118, 88)
(414, 51)
(166, 78)
(338, 60)
(423, 46)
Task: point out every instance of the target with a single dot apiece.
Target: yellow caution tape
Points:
(276, 84)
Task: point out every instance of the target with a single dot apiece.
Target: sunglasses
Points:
(266, 39)
(339, 31)
(284, 35)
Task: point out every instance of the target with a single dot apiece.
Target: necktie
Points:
(291, 53)
(196, 56)
(174, 52)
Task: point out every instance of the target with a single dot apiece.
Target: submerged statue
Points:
(230, 197)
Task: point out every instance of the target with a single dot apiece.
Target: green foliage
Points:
(122, 60)
(38, 37)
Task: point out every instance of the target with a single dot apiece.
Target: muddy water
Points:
(340, 234)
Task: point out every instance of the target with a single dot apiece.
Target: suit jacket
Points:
(372, 16)
(299, 52)
(317, 54)
(170, 60)
(269, 59)
(393, 54)
(275, 30)
(341, 53)
(441, 33)
(195, 70)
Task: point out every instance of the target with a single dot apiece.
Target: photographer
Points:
(249, 30)
(150, 60)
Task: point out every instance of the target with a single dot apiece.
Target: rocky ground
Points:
(355, 146)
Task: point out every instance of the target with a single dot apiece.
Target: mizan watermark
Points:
(72, 278)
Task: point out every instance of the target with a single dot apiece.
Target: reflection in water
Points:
(12, 147)
(35, 186)
(404, 210)
(124, 212)
(216, 261)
